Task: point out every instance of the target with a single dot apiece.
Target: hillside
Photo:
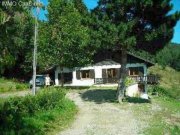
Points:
(169, 79)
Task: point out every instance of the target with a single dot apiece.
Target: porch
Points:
(148, 79)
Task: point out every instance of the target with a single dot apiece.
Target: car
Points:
(40, 81)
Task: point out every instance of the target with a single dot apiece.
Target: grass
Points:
(7, 85)
(2, 100)
(167, 119)
(161, 116)
(169, 79)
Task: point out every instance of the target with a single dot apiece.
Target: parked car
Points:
(40, 81)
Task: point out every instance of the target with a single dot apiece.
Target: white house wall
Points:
(84, 82)
(57, 71)
(97, 70)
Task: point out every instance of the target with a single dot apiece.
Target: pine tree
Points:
(125, 24)
(81, 7)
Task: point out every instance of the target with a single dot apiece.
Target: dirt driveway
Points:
(99, 115)
(13, 94)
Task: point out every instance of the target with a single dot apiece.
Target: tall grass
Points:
(7, 85)
(36, 114)
(169, 80)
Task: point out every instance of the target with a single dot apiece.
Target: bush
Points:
(160, 91)
(21, 86)
(129, 81)
(16, 114)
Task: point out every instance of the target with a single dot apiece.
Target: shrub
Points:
(160, 91)
(21, 86)
(129, 81)
(16, 113)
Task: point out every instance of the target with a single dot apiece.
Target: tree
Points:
(66, 42)
(169, 56)
(79, 5)
(140, 24)
(16, 31)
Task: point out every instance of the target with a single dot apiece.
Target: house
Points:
(104, 70)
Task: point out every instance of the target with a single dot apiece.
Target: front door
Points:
(67, 78)
(110, 75)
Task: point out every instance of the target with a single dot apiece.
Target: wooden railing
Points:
(105, 80)
(149, 79)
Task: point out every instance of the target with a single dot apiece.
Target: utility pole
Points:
(35, 51)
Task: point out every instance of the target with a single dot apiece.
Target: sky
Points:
(93, 3)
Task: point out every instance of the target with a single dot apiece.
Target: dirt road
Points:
(99, 115)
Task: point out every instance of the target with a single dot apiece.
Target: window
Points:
(111, 73)
(133, 71)
(85, 74)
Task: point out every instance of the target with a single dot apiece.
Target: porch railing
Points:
(105, 80)
(149, 79)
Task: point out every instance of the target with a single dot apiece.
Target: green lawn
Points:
(163, 113)
(7, 85)
(161, 116)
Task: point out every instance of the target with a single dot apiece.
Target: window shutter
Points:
(92, 74)
(78, 74)
(104, 73)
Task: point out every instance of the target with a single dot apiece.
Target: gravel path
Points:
(99, 116)
(13, 94)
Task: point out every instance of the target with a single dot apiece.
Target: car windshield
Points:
(40, 77)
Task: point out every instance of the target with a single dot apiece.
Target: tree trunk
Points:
(62, 77)
(123, 73)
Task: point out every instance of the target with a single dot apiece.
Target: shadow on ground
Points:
(99, 96)
(108, 96)
(137, 100)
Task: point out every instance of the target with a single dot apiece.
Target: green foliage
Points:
(146, 25)
(80, 6)
(169, 80)
(67, 39)
(124, 25)
(143, 54)
(154, 30)
(32, 114)
(7, 85)
(129, 81)
(165, 92)
(114, 29)
(160, 91)
(169, 56)
(16, 31)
